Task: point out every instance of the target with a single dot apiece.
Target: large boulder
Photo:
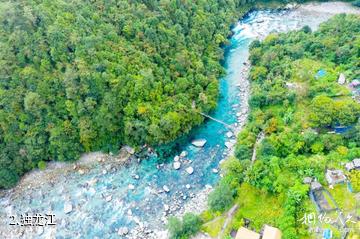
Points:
(190, 170)
(129, 149)
(166, 189)
(123, 231)
(229, 134)
(177, 165)
(68, 207)
(131, 187)
(199, 142)
(229, 145)
(183, 154)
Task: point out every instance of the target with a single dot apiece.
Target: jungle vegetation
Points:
(80, 76)
(297, 102)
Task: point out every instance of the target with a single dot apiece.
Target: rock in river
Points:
(176, 158)
(229, 134)
(123, 231)
(129, 212)
(131, 187)
(129, 149)
(229, 145)
(183, 154)
(199, 142)
(190, 170)
(177, 165)
(68, 207)
(166, 188)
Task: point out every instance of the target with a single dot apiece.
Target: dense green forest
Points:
(296, 101)
(78, 76)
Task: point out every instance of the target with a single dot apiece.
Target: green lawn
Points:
(258, 206)
(345, 199)
(213, 227)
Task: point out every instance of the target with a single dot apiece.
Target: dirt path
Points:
(259, 138)
(228, 219)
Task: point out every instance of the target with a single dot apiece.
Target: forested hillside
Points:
(79, 76)
(296, 104)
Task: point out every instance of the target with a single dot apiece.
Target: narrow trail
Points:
(228, 219)
(259, 138)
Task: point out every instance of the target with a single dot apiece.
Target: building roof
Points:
(271, 233)
(335, 176)
(244, 233)
(356, 163)
(349, 166)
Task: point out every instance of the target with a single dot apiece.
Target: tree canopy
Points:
(79, 76)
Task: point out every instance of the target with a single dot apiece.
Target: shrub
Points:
(191, 224)
(355, 180)
(181, 229)
(41, 165)
(221, 198)
(175, 227)
(8, 178)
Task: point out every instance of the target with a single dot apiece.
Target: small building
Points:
(314, 186)
(349, 166)
(244, 233)
(271, 233)
(355, 164)
(335, 176)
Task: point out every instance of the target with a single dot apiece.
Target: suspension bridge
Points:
(229, 127)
